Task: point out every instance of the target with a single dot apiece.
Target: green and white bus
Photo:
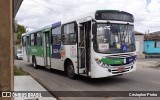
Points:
(98, 44)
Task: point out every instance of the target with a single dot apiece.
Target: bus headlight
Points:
(100, 63)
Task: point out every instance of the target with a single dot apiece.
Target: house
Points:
(139, 38)
(152, 43)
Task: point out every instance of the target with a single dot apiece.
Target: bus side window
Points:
(39, 38)
(72, 32)
(65, 35)
(56, 35)
(35, 39)
(63, 38)
(32, 39)
(69, 33)
(24, 41)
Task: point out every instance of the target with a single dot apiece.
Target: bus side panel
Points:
(55, 56)
(24, 54)
(65, 52)
(71, 53)
(37, 51)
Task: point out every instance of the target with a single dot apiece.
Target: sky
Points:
(35, 14)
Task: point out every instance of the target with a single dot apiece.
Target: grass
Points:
(19, 71)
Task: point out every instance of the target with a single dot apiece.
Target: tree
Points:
(20, 30)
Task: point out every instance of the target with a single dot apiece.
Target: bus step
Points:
(48, 67)
(83, 74)
(81, 47)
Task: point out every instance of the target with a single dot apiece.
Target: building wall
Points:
(150, 48)
(139, 45)
(6, 47)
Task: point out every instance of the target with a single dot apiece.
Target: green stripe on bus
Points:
(110, 61)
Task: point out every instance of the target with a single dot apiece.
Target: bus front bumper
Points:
(99, 71)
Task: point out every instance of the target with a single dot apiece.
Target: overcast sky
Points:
(38, 13)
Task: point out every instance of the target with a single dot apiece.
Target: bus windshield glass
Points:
(114, 38)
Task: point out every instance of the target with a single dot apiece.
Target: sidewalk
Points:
(30, 89)
(148, 63)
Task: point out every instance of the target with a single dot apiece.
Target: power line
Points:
(58, 4)
(43, 5)
(36, 9)
(40, 9)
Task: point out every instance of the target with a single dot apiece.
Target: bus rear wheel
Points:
(70, 71)
(34, 63)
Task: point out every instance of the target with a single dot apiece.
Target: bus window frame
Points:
(24, 42)
(75, 30)
(56, 35)
(40, 38)
(31, 39)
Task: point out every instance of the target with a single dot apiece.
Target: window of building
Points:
(157, 44)
(56, 35)
(69, 33)
(137, 46)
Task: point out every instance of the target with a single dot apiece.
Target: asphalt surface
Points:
(144, 79)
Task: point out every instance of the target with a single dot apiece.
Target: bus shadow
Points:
(53, 71)
(94, 81)
(107, 80)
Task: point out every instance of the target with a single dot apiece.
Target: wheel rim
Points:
(34, 63)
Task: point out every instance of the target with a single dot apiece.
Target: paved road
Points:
(144, 79)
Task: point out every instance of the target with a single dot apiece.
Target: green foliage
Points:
(19, 71)
(20, 30)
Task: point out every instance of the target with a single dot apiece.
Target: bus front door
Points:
(46, 50)
(84, 48)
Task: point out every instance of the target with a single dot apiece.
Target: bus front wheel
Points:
(70, 71)
(34, 63)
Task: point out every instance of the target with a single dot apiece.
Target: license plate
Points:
(121, 69)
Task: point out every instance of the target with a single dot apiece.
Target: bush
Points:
(19, 71)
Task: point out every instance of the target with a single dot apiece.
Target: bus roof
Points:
(91, 14)
(43, 28)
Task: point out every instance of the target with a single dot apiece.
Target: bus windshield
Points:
(114, 38)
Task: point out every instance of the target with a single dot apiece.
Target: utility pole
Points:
(6, 47)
